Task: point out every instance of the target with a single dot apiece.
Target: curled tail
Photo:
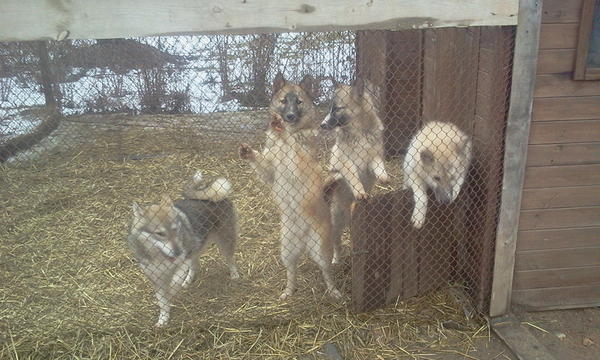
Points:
(218, 190)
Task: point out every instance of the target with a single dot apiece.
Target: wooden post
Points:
(515, 154)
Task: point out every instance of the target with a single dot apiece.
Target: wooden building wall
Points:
(557, 262)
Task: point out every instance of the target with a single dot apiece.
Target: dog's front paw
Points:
(277, 123)
(417, 222)
(362, 196)
(246, 152)
(383, 179)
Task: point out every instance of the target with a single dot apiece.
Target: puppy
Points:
(438, 157)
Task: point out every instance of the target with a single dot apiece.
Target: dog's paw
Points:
(383, 179)
(277, 123)
(159, 326)
(417, 223)
(246, 152)
(335, 294)
(362, 196)
(287, 293)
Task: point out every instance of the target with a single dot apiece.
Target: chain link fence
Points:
(304, 156)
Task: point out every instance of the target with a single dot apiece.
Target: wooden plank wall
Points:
(557, 263)
(464, 78)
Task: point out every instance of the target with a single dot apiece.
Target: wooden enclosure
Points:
(462, 76)
(557, 262)
(547, 237)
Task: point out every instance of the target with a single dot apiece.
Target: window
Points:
(587, 61)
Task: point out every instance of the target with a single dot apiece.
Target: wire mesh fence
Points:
(336, 172)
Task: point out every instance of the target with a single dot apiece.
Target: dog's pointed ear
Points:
(138, 211)
(278, 82)
(427, 157)
(310, 87)
(359, 86)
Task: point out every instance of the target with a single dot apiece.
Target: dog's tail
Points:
(331, 184)
(217, 191)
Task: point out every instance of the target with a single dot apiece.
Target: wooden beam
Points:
(25, 20)
(515, 154)
(522, 343)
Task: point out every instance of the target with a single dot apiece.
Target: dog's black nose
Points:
(290, 117)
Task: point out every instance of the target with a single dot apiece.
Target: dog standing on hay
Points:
(439, 156)
(302, 197)
(357, 155)
(167, 238)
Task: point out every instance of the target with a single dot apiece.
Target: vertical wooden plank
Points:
(449, 78)
(515, 155)
(437, 246)
(373, 217)
(483, 186)
(402, 110)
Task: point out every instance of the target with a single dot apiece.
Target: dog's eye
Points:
(298, 102)
(283, 101)
(159, 234)
(437, 178)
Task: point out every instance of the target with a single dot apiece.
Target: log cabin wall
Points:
(557, 262)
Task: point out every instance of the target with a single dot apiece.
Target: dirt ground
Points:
(567, 334)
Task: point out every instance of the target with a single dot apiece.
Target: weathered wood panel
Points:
(402, 110)
(449, 82)
(564, 132)
(561, 298)
(558, 238)
(567, 108)
(569, 175)
(558, 36)
(555, 259)
(563, 154)
(390, 258)
(557, 85)
(559, 218)
(517, 132)
(547, 278)
(98, 19)
(556, 61)
(561, 11)
(552, 198)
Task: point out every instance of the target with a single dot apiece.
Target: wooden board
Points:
(555, 259)
(558, 85)
(563, 197)
(549, 278)
(515, 152)
(566, 108)
(559, 36)
(558, 238)
(100, 19)
(564, 132)
(558, 298)
(555, 176)
(561, 11)
(556, 61)
(522, 343)
(559, 218)
(563, 154)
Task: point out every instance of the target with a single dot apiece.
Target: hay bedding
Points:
(71, 289)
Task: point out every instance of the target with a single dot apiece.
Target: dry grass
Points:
(71, 289)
